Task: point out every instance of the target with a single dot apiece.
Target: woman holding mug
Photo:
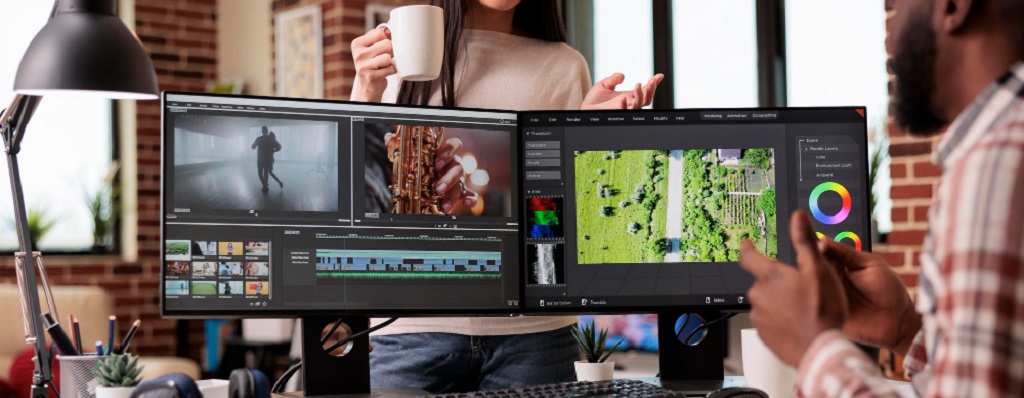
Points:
(498, 54)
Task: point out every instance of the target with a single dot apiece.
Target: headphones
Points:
(174, 385)
(248, 383)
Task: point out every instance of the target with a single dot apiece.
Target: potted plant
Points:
(117, 374)
(592, 348)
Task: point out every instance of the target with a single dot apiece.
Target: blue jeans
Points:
(445, 363)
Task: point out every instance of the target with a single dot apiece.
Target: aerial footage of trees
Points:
(695, 205)
(727, 198)
(620, 206)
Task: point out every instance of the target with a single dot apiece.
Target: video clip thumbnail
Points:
(438, 170)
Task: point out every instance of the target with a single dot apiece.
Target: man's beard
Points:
(913, 64)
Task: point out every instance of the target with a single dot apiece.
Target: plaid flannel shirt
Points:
(971, 296)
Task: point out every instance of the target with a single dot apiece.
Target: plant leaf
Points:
(612, 350)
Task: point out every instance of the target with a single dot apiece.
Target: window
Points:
(624, 42)
(67, 150)
(715, 50)
(841, 63)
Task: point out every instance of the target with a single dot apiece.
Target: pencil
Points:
(110, 335)
(77, 332)
(128, 337)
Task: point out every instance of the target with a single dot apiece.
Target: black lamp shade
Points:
(85, 49)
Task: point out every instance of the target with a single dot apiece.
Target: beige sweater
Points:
(503, 71)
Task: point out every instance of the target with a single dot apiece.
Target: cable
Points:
(280, 383)
(330, 332)
(704, 327)
(54, 389)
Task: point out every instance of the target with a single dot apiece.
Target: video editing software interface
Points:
(647, 210)
(293, 206)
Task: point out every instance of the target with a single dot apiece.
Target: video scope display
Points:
(646, 210)
(283, 206)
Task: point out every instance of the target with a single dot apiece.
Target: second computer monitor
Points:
(645, 211)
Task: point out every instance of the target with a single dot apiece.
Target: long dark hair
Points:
(539, 19)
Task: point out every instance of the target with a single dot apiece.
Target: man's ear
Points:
(954, 14)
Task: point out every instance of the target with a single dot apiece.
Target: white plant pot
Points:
(586, 371)
(114, 392)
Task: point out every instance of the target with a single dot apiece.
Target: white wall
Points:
(244, 46)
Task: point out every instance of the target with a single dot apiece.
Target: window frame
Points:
(771, 46)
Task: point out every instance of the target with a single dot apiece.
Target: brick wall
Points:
(180, 36)
(343, 21)
(914, 181)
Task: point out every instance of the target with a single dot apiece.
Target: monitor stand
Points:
(693, 369)
(345, 376)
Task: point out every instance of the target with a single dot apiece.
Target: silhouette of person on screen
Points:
(265, 146)
(270, 167)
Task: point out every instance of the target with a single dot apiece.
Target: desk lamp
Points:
(84, 49)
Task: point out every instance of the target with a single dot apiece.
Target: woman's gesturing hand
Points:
(604, 96)
(372, 54)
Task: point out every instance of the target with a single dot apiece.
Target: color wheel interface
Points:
(831, 187)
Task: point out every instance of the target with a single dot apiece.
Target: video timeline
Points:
(410, 264)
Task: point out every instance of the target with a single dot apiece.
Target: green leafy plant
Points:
(104, 206)
(39, 224)
(877, 160)
(592, 342)
(118, 370)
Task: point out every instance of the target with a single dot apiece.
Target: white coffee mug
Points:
(417, 37)
(763, 370)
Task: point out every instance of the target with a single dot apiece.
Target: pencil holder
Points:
(77, 379)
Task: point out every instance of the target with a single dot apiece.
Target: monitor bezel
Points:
(618, 310)
(292, 313)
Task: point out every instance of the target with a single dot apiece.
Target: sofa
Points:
(92, 306)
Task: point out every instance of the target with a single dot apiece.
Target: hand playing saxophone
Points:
(450, 176)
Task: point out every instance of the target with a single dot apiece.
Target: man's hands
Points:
(881, 312)
(604, 96)
(449, 173)
(791, 306)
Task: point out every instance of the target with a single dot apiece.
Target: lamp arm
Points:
(13, 121)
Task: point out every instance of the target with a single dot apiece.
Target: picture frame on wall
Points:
(298, 43)
(377, 14)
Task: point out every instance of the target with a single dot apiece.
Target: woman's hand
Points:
(372, 54)
(604, 96)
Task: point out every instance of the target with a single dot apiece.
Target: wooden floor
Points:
(236, 186)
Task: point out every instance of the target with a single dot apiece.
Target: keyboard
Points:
(576, 389)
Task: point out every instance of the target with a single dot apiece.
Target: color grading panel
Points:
(829, 170)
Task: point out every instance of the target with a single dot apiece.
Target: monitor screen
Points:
(641, 211)
(288, 207)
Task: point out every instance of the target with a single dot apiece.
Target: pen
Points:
(59, 337)
(77, 331)
(99, 347)
(128, 337)
(110, 335)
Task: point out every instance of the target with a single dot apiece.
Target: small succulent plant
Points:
(118, 370)
(592, 342)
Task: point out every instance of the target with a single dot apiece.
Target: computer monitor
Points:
(644, 211)
(287, 207)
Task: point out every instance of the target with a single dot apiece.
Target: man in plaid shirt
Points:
(955, 61)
